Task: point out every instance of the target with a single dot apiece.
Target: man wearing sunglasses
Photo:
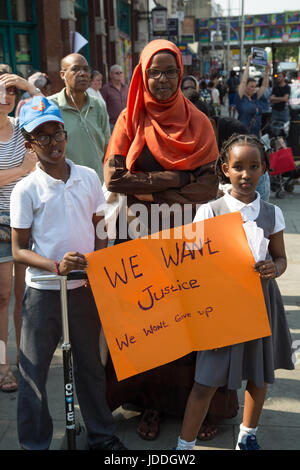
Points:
(115, 94)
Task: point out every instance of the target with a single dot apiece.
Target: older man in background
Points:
(86, 120)
(115, 94)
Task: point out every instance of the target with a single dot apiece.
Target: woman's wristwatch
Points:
(37, 91)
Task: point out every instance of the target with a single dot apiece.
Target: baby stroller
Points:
(283, 170)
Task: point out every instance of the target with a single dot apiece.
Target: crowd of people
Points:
(160, 140)
(253, 101)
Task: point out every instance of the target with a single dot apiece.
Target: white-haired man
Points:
(115, 94)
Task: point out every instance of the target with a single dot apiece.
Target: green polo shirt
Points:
(88, 131)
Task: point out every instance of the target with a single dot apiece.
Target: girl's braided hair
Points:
(239, 139)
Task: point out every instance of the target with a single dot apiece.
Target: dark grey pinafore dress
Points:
(254, 360)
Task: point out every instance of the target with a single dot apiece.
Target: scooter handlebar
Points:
(72, 276)
(76, 275)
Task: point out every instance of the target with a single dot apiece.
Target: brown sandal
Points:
(148, 427)
(8, 382)
(207, 431)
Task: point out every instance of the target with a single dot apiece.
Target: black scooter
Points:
(73, 430)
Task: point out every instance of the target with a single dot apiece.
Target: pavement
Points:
(279, 427)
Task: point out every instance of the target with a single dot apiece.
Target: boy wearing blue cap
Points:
(58, 207)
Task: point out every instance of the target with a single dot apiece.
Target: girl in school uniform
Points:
(241, 162)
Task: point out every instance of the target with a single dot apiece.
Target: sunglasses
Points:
(11, 90)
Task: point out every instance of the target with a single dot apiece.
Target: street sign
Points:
(285, 37)
(173, 26)
(183, 47)
(188, 38)
(159, 21)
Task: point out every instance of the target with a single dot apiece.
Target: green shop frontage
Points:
(22, 32)
(37, 34)
(19, 35)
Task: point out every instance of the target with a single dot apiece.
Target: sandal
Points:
(8, 382)
(148, 427)
(207, 431)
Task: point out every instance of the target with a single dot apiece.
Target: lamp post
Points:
(228, 39)
(217, 39)
(242, 37)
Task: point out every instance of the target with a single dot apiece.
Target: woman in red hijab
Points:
(161, 146)
(162, 150)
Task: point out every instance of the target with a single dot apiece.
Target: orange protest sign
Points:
(160, 299)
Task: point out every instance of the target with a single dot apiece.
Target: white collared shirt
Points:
(248, 211)
(59, 215)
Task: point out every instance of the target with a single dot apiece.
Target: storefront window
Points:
(19, 45)
(80, 4)
(23, 53)
(21, 10)
(124, 16)
(24, 70)
(82, 26)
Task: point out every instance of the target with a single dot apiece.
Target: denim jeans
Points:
(41, 332)
(281, 115)
(263, 187)
(5, 252)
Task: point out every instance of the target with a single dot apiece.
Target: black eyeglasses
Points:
(156, 74)
(45, 140)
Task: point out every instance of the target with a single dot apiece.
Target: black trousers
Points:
(41, 332)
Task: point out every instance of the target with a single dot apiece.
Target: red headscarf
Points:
(177, 134)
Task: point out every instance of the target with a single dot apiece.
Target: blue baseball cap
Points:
(38, 111)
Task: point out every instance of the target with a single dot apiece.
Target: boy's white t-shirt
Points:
(248, 211)
(59, 215)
